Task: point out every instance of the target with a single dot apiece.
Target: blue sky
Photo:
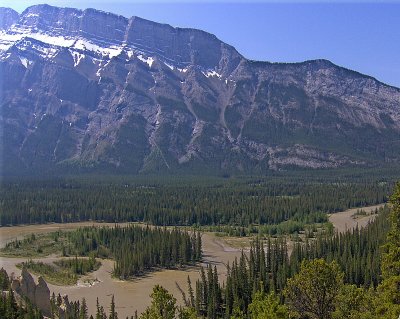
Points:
(359, 35)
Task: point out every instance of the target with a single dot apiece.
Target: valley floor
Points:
(347, 219)
(129, 295)
(134, 295)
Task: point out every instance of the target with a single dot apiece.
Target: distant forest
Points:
(191, 201)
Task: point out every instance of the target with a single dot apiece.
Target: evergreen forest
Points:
(137, 249)
(190, 201)
(327, 275)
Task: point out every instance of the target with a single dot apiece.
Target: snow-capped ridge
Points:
(148, 60)
(107, 34)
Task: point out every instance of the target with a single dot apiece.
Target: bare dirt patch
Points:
(129, 295)
(347, 219)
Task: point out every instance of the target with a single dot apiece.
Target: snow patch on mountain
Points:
(169, 65)
(130, 53)
(48, 44)
(211, 73)
(10, 38)
(25, 62)
(109, 52)
(77, 57)
(148, 60)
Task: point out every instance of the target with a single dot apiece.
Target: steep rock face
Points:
(7, 18)
(89, 90)
(38, 294)
(26, 285)
(42, 296)
(179, 46)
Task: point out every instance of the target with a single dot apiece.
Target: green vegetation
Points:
(352, 258)
(62, 308)
(356, 272)
(313, 291)
(79, 266)
(63, 271)
(49, 273)
(390, 285)
(35, 245)
(137, 249)
(357, 251)
(341, 284)
(163, 305)
(190, 201)
(313, 283)
(9, 308)
(309, 224)
(267, 306)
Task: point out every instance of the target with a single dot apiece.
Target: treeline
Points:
(79, 266)
(268, 267)
(266, 271)
(308, 224)
(62, 308)
(136, 249)
(240, 202)
(357, 251)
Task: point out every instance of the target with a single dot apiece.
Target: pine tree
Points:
(313, 291)
(83, 312)
(390, 286)
(113, 312)
(191, 293)
(4, 280)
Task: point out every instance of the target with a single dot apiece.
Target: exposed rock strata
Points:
(89, 90)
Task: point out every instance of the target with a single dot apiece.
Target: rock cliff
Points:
(38, 294)
(93, 91)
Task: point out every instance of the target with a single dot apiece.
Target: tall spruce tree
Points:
(390, 286)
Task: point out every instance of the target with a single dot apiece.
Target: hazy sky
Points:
(359, 35)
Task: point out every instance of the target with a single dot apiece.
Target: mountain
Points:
(94, 91)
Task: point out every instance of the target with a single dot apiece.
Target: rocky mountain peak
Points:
(7, 18)
(89, 90)
(177, 46)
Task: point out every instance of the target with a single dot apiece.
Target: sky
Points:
(360, 35)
